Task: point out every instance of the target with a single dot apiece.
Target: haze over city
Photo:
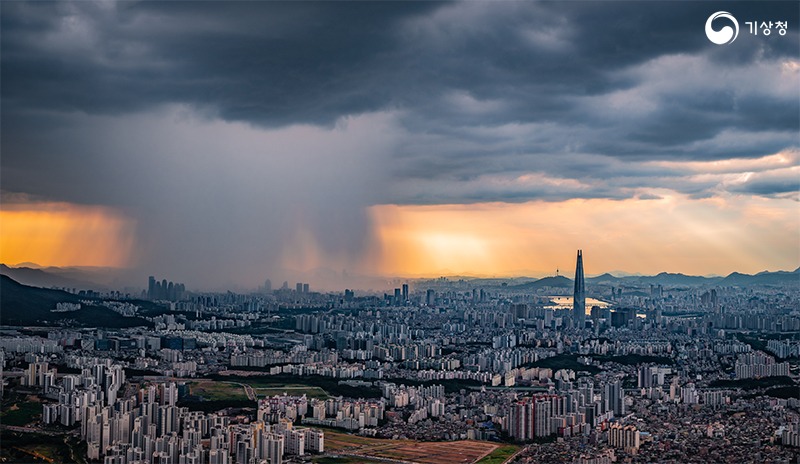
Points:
(220, 144)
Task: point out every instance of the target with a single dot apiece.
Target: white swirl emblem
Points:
(725, 35)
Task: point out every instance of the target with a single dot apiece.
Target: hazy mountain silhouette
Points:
(605, 279)
(39, 277)
(667, 278)
(555, 281)
(762, 278)
(327, 279)
(26, 305)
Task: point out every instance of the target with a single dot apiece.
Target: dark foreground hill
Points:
(24, 305)
(44, 278)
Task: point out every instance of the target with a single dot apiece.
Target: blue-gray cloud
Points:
(456, 72)
(474, 101)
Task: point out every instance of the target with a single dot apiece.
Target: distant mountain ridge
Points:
(102, 279)
(39, 277)
(762, 278)
(734, 279)
(666, 278)
(605, 278)
(670, 280)
(555, 281)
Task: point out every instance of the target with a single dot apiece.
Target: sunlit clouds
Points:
(783, 160)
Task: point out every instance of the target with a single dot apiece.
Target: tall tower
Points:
(579, 295)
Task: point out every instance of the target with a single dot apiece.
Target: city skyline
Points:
(447, 370)
(397, 139)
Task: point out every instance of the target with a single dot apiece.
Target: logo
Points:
(725, 35)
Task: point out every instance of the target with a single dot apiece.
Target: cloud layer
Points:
(238, 134)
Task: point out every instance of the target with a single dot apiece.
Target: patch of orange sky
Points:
(673, 234)
(63, 234)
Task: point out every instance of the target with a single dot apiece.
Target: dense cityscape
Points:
(584, 370)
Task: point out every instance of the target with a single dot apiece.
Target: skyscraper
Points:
(430, 297)
(579, 295)
(615, 398)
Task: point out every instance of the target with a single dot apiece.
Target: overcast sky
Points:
(224, 142)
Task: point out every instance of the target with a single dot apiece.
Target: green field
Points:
(21, 413)
(337, 440)
(217, 391)
(500, 455)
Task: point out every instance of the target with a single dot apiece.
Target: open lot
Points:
(336, 441)
(292, 390)
(217, 391)
(463, 452)
(345, 460)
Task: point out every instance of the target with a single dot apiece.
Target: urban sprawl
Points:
(583, 370)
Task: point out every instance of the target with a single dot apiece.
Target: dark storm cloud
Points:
(277, 63)
(452, 69)
(470, 102)
(270, 63)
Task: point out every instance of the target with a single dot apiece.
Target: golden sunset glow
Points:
(673, 234)
(63, 234)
